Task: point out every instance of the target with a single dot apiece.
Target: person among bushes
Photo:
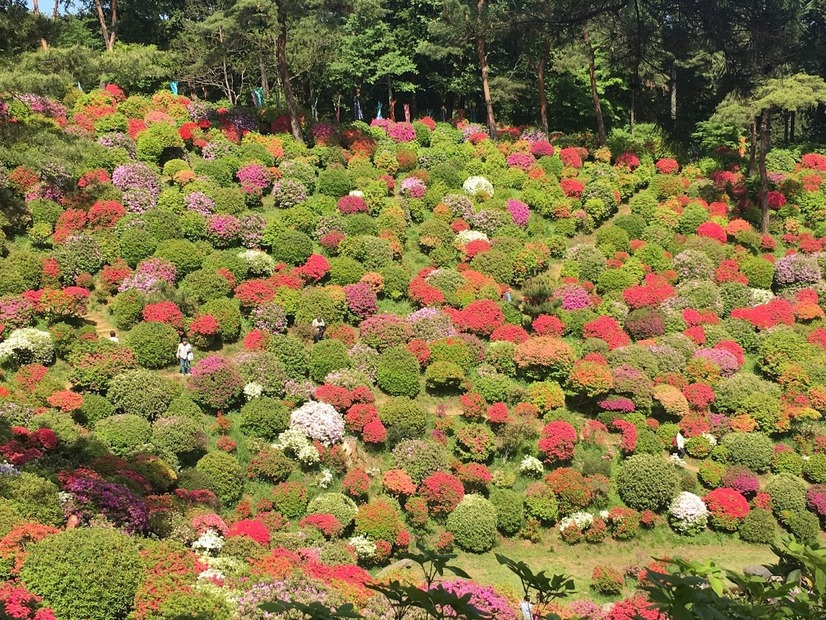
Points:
(185, 356)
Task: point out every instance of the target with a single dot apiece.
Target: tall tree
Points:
(287, 9)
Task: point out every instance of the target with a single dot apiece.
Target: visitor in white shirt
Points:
(184, 355)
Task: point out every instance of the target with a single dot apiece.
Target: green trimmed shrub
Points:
(95, 407)
(141, 392)
(510, 510)
(398, 372)
(202, 286)
(153, 343)
(179, 435)
(420, 458)
(34, 498)
(345, 270)
(292, 353)
(126, 309)
(292, 247)
(334, 181)
(759, 527)
(85, 573)
(337, 504)
(136, 244)
(814, 469)
(647, 482)
(228, 315)
(759, 272)
(265, 418)
(444, 376)
(124, 434)
(473, 524)
(788, 494)
(226, 474)
(182, 406)
(404, 419)
(185, 255)
(752, 450)
(325, 357)
(802, 524)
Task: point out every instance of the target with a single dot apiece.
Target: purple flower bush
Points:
(431, 323)
(139, 185)
(573, 297)
(318, 421)
(361, 299)
(269, 317)
(150, 275)
(255, 179)
(520, 213)
(223, 230)
(289, 193)
(796, 269)
(199, 202)
(116, 502)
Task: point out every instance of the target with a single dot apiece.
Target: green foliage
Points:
(85, 574)
(759, 527)
(473, 524)
(325, 357)
(292, 354)
(646, 482)
(154, 344)
(142, 393)
(752, 450)
(33, 498)
(509, 510)
(124, 434)
(404, 419)
(228, 315)
(788, 494)
(339, 505)
(264, 417)
(398, 372)
(292, 247)
(226, 474)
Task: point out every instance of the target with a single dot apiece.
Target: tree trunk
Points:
(594, 94)
(752, 147)
(674, 92)
(35, 7)
(109, 31)
(284, 72)
(483, 64)
(633, 115)
(764, 177)
(265, 81)
(540, 79)
(55, 9)
(791, 127)
(785, 127)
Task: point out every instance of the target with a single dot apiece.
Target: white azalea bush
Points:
(688, 514)
(478, 186)
(364, 547)
(318, 421)
(27, 346)
(295, 443)
(466, 236)
(209, 543)
(531, 466)
(260, 263)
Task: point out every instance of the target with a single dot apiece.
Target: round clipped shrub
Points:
(142, 392)
(85, 573)
(510, 510)
(814, 469)
(215, 383)
(226, 474)
(327, 356)
(473, 524)
(228, 315)
(124, 434)
(154, 344)
(803, 524)
(292, 354)
(647, 482)
(337, 504)
(292, 247)
(759, 527)
(398, 372)
(788, 493)
(404, 419)
(419, 458)
(95, 407)
(179, 435)
(752, 450)
(265, 418)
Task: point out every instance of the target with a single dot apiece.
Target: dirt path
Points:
(102, 322)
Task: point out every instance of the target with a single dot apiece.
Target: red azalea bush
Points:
(251, 528)
(325, 523)
(480, 317)
(356, 483)
(398, 483)
(547, 325)
(442, 492)
(667, 166)
(165, 312)
(727, 507)
(509, 333)
(557, 442)
(607, 329)
(336, 396)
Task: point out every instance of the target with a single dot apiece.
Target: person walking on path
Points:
(680, 440)
(319, 325)
(526, 608)
(184, 355)
(113, 337)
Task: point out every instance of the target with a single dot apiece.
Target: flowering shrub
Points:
(557, 442)
(688, 514)
(215, 383)
(318, 421)
(727, 507)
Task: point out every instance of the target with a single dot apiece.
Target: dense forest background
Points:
(562, 65)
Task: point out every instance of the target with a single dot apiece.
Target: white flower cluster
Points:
(357, 192)
(531, 466)
(688, 513)
(758, 296)
(580, 520)
(363, 546)
(466, 236)
(677, 461)
(260, 263)
(296, 443)
(325, 478)
(712, 440)
(210, 542)
(475, 186)
(28, 345)
(253, 390)
(319, 421)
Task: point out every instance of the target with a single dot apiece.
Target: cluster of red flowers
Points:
(557, 442)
